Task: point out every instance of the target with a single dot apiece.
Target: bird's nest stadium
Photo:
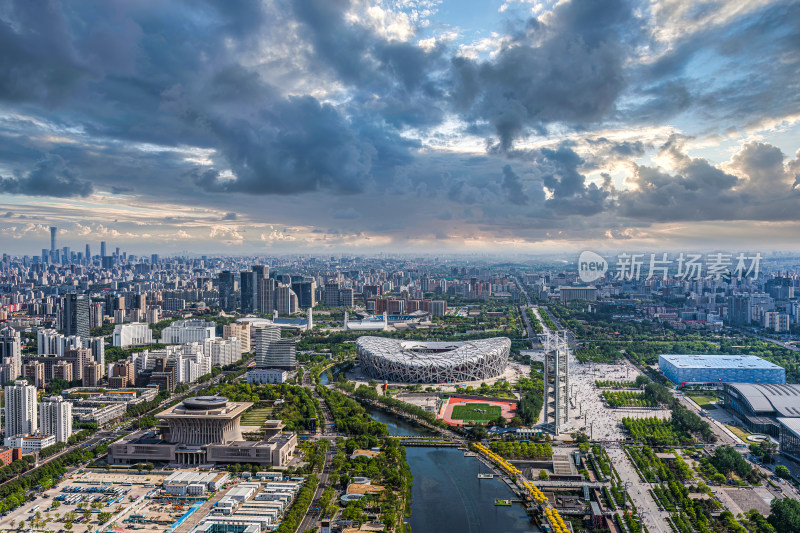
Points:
(432, 362)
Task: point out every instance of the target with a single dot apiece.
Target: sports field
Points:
(476, 412)
(458, 411)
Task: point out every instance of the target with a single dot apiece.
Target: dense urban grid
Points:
(204, 393)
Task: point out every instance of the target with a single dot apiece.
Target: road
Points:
(782, 344)
(723, 434)
(655, 520)
(310, 519)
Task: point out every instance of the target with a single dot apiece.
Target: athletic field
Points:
(469, 411)
(476, 412)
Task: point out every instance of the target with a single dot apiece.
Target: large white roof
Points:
(428, 354)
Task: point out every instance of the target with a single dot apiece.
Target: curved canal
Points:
(447, 496)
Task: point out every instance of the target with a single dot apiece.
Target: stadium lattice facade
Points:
(432, 362)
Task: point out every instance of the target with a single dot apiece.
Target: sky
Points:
(317, 126)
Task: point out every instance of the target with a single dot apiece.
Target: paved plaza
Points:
(588, 412)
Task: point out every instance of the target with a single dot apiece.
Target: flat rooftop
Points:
(212, 409)
(719, 361)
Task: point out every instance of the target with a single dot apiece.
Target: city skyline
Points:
(425, 126)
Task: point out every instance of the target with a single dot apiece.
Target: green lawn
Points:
(739, 432)
(477, 412)
(705, 401)
(256, 416)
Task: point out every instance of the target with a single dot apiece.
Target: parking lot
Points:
(81, 497)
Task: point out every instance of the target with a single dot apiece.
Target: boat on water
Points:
(482, 475)
(498, 501)
(470, 454)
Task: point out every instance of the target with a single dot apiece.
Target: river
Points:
(447, 495)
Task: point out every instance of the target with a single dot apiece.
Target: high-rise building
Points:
(102, 248)
(285, 300)
(778, 322)
(92, 374)
(264, 335)
(346, 297)
(78, 357)
(125, 372)
(240, 331)
(332, 294)
(337, 296)
(304, 289)
(266, 295)
(21, 412)
(10, 354)
(75, 318)
(139, 301)
(247, 288)
(223, 351)
(97, 348)
(55, 418)
(281, 354)
(227, 291)
(53, 231)
(88, 255)
(63, 370)
(438, 308)
(35, 373)
(261, 275)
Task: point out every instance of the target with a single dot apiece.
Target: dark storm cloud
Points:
(754, 56)
(37, 60)
(570, 71)
(512, 184)
(561, 175)
(299, 145)
(404, 76)
(296, 96)
(50, 177)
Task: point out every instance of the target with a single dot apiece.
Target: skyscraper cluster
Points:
(30, 423)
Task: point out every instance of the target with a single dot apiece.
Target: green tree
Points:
(478, 433)
(785, 515)
(782, 471)
(543, 475)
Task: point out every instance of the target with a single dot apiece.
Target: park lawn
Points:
(704, 401)
(476, 412)
(256, 416)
